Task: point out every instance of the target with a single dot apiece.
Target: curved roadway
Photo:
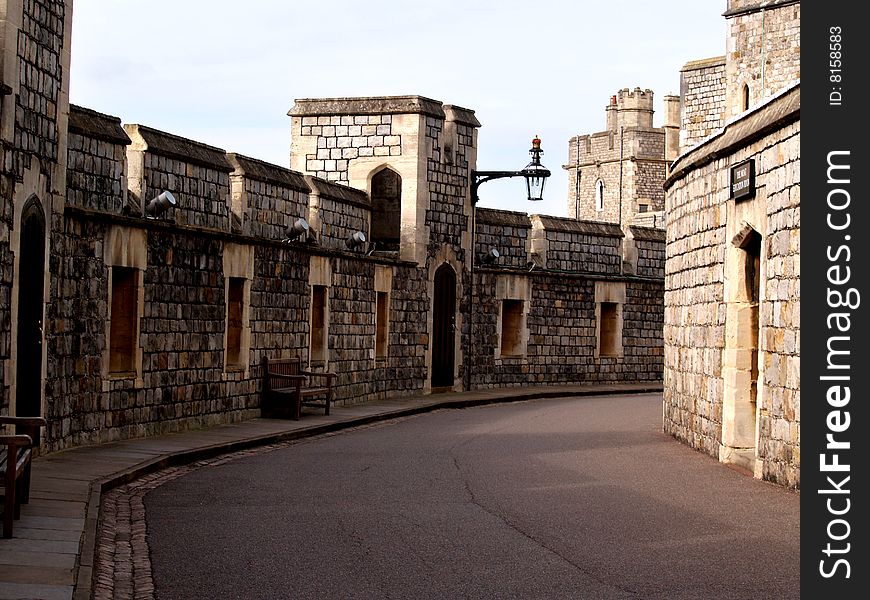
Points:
(576, 498)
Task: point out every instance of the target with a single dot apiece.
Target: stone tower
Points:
(762, 51)
(617, 174)
(34, 110)
(407, 152)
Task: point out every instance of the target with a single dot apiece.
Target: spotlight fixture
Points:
(298, 228)
(160, 204)
(490, 257)
(356, 240)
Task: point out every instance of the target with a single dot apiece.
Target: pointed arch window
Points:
(386, 209)
(599, 195)
(745, 97)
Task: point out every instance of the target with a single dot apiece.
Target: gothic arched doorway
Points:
(444, 327)
(31, 277)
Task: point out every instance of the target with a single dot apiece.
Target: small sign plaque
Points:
(743, 180)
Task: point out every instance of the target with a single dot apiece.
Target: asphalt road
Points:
(580, 498)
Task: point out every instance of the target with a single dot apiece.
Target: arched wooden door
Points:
(31, 277)
(444, 327)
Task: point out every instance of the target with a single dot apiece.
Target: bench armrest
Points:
(298, 377)
(329, 376)
(21, 440)
(30, 425)
(31, 421)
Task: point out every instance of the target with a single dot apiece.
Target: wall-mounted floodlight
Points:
(356, 240)
(298, 228)
(490, 257)
(160, 204)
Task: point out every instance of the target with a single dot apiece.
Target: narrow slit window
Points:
(235, 310)
(511, 328)
(124, 320)
(318, 323)
(381, 325)
(599, 195)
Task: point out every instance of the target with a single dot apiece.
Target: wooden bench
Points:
(287, 387)
(16, 452)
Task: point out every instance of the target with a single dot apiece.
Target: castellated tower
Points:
(616, 175)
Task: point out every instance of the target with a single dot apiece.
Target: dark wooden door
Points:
(31, 275)
(443, 327)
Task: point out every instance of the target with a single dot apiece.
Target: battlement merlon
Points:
(630, 108)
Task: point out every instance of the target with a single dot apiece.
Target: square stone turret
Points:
(393, 148)
(616, 175)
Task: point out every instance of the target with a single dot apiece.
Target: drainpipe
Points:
(621, 128)
(763, 93)
(577, 184)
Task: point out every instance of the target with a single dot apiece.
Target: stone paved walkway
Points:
(82, 535)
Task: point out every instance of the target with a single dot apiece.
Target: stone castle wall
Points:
(225, 245)
(763, 50)
(702, 100)
(701, 403)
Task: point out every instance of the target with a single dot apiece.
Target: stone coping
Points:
(505, 218)
(338, 192)
(91, 123)
(757, 6)
(179, 148)
(703, 63)
(565, 224)
(752, 125)
(253, 168)
(381, 105)
(648, 234)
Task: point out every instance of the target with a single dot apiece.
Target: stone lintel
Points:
(267, 172)
(179, 148)
(371, 105)
(90, 123)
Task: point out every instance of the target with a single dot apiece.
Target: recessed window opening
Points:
(608, 342)
(381, 321)
(318, 323)
(511, 327)
(123, 320)
(745, 97)
(235, 310)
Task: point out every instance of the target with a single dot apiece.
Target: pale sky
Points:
(226, 73)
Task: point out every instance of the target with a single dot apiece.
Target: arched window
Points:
(745, 97)
(599, 195)
(386, 209)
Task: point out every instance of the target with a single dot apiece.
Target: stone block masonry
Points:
(706, 405)
(96, 173)
(346, 137)
(702, 99)
(156, 323)
(616, 174)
